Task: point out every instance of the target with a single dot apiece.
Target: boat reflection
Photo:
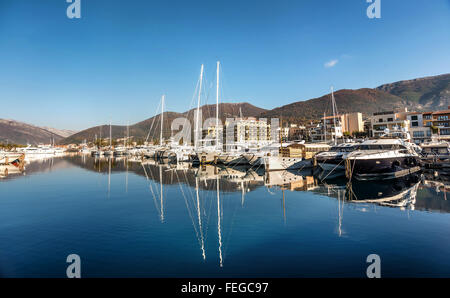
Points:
(205, 191)
(399, 193)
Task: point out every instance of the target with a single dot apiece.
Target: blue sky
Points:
(121, 56)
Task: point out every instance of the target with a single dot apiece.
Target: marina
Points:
(224, 148)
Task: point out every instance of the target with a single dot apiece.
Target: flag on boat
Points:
(16, 163)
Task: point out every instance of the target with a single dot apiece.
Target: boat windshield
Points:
(380, 147)
(436, 150)
(342, 149)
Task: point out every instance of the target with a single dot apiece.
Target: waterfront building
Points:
(244, 130)
(420, 133)
(439, 123)
(346, 124)
(391, 120)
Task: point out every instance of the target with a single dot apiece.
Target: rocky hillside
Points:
(151, 127)
(365, 100)
(22, 133)
(425, 93)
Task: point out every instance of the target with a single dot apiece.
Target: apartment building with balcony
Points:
(419, 132)
(439, 123)
(243, 130)
(348, 124)
(391, 120)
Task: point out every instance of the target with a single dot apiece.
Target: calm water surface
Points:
(126, 219)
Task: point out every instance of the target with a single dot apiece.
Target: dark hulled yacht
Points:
(333, 160)
(384, 158)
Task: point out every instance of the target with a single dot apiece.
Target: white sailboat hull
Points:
(278, 163)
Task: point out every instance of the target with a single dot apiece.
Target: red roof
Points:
(441, 112)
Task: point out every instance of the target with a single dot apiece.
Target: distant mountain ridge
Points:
(428, 93)
(60, 132)
(366, 101)
(151, 127)
(16, 132)
(418, 94)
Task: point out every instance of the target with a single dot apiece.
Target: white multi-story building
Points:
(419, 132)
(244, 130)
(388, 120)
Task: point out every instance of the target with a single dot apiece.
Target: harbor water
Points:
(127, 219)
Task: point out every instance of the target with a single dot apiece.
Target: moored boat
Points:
(294, 157)
(333, 160)
(382, 159)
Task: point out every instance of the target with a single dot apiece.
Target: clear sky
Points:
(121, 56)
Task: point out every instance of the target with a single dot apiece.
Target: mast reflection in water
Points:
(126, 218)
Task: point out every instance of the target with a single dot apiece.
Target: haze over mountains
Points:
(16, 132)
(429, 93)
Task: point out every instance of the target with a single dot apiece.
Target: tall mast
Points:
(199, 219)
(324, 127)
(219, 229)
(162, 119)
(110, 135)
(198, 108)
(217, 106)
(128, 133)
(334, 115)
(161, 192)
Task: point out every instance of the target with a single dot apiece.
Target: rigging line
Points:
(191, 106)
(188, 186)
(228, 237)
(153, 122)
(190, 213)
(333, 169)
(151, 189)
(199, 220)
(153, 180)
(209, 213)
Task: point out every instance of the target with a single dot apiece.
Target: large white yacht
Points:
(384, 158)
(332, 160)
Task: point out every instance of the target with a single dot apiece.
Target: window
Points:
(414, 118)
(440, 118)
(380, 127)
(380, 120)
(414, 124)
(427, 117)
(390, 119)
(445, 132)
(380, 147)
(418, 134)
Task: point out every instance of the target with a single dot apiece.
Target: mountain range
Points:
(16, 132)
(151, 127)
(428, 93)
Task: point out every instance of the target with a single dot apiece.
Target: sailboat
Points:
(205, 154)
(163, 153)
(110, 151)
